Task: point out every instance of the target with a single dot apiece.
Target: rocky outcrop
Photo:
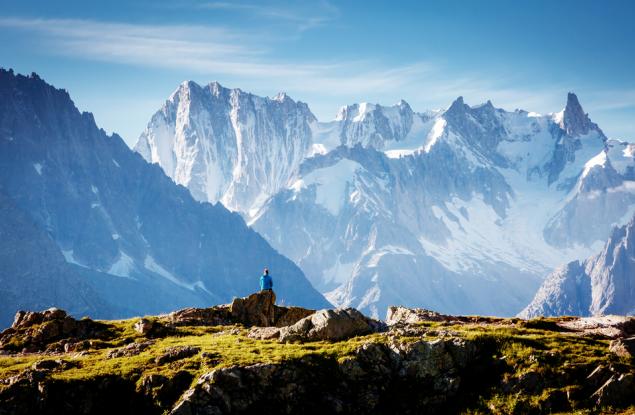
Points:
(623, 347)
(258, 309)
(286, 316)
(52, 329)
(403, 315)
(419, 377)
(213, 316)
(330, 325)
(255, 310)
(177, 353)
(128, 350)
(458, 364)
(612, 327)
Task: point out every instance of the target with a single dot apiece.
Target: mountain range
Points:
(461, 210)
(86, 224)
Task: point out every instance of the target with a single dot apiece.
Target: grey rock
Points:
(403, 315)
(143, 326)
(177, 353)
(264, 333)
(331, 325)
(131, 349)
(623, 347)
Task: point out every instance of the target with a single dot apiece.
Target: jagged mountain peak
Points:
(281, 97)
(602, 284)
(573, 120)
(457, 108)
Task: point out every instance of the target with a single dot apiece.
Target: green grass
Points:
(540, 347)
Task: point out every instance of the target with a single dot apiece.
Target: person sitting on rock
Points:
(266, 282)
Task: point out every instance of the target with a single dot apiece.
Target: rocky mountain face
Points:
(463, 210)
(420, 362)
(601, 284)
(86, 219)
(228, 145)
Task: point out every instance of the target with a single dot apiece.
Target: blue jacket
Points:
(266, 282)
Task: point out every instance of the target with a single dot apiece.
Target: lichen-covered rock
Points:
(36, 331)
(25, 319)
(331, 325)
(213, 316)
(176, 353)
(264, 333)
(131, 349)
(401, 378)
(403, 315)
(623, 347)
(610, 326)
(255, 310)
(52, 364)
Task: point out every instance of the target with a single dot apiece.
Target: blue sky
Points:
(122, 59)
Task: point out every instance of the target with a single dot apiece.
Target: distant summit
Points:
(602, 284)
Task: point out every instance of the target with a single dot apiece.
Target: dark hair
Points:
(266, 270)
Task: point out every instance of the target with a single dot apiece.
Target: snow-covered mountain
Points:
(463, 210)
(602, 284)
(87, 224)
(227, 145)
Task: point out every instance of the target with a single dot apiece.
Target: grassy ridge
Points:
(520, 351)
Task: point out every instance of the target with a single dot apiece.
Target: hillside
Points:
(214, 361)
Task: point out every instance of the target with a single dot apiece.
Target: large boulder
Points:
(401, 315)
(331, 325)
(256, 310)
(213, 316)
(610, 326)
(286, 316)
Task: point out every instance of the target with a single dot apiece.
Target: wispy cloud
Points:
(207, 50)
(305, 15)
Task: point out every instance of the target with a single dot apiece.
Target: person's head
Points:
(266, 271)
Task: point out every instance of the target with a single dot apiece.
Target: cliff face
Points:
(209, 361)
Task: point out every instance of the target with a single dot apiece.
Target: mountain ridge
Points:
(376, 172)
